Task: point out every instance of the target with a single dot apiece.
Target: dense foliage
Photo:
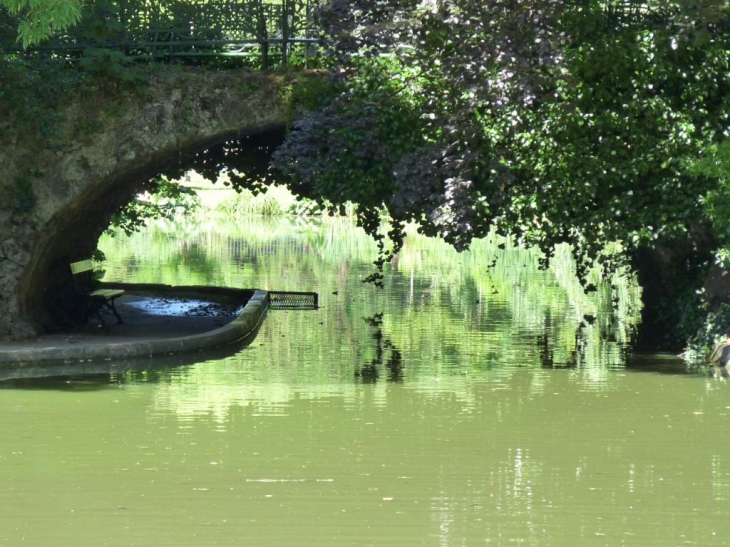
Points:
(38, 19)
(549, 121)
(164, 198)
(581, 122)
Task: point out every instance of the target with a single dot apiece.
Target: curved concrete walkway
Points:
(146, 333)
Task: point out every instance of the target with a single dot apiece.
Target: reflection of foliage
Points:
(193, 257)
(442, 318)
(433, 296)
(370, 371)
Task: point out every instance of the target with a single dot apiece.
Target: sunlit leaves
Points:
(164, 199)
(40, 18)
(549, 121)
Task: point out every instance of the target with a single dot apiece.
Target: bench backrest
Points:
(82, 266)
(82, 276)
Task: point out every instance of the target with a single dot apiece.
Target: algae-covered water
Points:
(461, 405)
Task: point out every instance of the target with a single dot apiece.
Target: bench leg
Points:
(115, 312)
(95, 310)
(95, 306)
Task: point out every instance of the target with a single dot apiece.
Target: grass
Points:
(220, 198)
(276, 202)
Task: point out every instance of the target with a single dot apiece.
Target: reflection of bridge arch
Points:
(83, 181)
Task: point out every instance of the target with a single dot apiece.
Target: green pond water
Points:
(459, 406)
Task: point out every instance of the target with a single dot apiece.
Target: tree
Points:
(553, 122)
(38, 19)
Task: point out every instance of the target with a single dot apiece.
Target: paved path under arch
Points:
(170, 321)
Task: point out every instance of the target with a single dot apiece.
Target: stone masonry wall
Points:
(79, 181)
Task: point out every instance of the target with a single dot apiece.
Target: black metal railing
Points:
(157, 29)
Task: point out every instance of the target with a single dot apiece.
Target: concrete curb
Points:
(241, 327)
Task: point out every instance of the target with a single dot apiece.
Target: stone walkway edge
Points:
(236, 330)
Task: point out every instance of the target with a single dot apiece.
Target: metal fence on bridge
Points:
(269, 30)
(164, 29)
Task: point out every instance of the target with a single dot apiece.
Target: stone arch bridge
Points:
(58, 194)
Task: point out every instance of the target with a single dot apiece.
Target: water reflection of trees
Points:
(387, 357)
(442, 309)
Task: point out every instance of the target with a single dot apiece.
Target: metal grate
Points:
(280, 300)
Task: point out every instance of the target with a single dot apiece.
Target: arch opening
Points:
(45, 289)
